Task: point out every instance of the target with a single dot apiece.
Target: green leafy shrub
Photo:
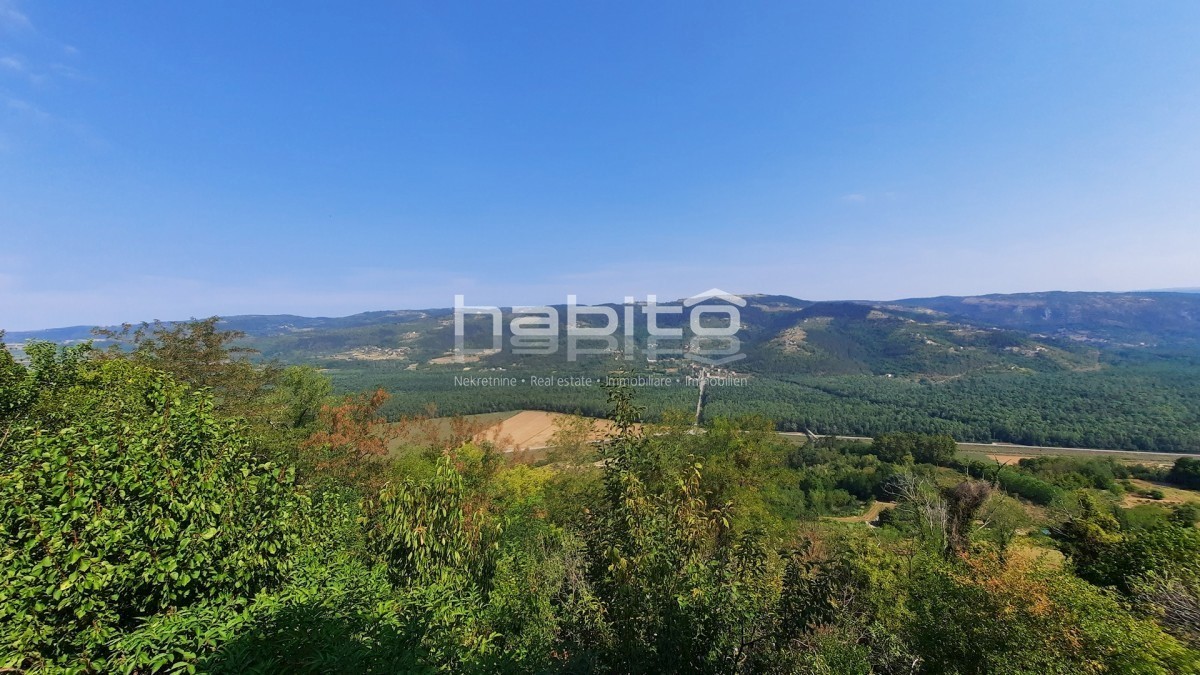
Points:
(135, 500)
(978, 615)
(1186, 472)
(439, 553)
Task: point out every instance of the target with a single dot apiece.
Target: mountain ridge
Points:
(255, 323)
(1070, 369)
(937, 337)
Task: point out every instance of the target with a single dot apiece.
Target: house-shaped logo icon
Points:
(715, 345)
(714, 294)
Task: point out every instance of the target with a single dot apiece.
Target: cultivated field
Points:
(1008, 453)
(510, 431)
(533, 429)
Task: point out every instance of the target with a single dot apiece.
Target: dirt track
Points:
(1014, 450)
(871, 515)
(1006, 458)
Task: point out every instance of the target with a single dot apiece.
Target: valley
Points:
(1042, 369)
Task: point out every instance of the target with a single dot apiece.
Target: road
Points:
(1015, 449)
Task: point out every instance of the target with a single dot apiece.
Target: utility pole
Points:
(700, 399)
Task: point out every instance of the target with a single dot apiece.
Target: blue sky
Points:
(165, 160)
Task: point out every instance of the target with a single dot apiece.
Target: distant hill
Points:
(874, 339)
(1106, 370)
(933, 337)
(1156, 319)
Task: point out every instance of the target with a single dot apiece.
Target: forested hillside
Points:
(1103, 370)
(1162, 319)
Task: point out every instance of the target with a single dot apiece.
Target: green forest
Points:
(1087, 370)
(172, 504)
(1136, 406)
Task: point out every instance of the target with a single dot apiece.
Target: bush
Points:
(1186, 514)
(1186, 472)
(980, 615)
(137, 502)
(1021, 484)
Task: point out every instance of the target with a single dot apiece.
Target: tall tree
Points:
(198, 353)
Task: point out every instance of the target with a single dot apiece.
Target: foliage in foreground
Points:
(143, 529)
(127, 497)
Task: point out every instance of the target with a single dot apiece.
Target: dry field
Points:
(450, 358)
(1030, 552)
(1004, 458)
(437, 430)
(534, 429)
(519, 430)
(1013, 453)
(1171, 495)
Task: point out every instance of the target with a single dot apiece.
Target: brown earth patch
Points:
(871, 515)
(535, 429)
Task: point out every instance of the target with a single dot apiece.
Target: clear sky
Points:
(171, 159)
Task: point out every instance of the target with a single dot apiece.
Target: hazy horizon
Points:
(547, 302)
